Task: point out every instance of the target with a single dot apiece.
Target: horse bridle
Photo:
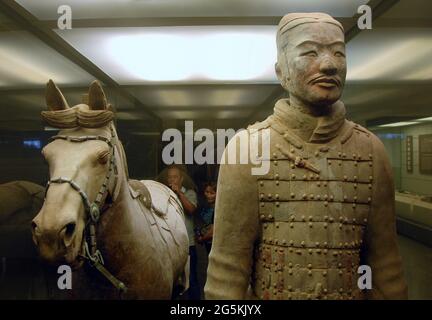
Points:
(94, 209)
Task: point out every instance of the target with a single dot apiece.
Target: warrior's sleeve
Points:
(381, 251)
(235, 230)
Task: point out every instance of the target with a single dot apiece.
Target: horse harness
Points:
(94, 209)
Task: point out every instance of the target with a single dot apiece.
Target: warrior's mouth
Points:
(326, 82)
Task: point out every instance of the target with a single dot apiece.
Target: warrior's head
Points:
(311, 62)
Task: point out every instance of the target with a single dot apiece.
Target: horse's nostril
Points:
(70, 229)
(33, 225)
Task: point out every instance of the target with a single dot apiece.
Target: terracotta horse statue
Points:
(132, 231)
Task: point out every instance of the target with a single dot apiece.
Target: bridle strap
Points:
(94, 209)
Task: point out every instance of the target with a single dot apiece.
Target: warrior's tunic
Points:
(302, 230)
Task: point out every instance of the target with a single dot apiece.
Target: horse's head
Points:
(82, 168)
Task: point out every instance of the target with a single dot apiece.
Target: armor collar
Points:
(327, 127)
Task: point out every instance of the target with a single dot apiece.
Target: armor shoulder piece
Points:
(352, 127)
(259, 125)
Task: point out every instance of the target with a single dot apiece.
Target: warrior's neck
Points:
(310, 111)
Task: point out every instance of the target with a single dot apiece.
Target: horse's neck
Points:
(120, 218)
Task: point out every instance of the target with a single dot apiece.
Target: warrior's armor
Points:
(301, 231)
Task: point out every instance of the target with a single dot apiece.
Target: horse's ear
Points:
(54, 98)
(96, 97)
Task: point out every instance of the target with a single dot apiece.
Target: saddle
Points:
(152, 194)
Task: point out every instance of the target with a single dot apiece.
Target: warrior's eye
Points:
(339, 54)
(310, 53)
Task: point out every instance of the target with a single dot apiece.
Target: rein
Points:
(95, 208)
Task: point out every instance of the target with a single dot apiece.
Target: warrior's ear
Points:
(96, 97)
(54, 98)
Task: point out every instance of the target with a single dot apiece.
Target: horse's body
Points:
(140, 233)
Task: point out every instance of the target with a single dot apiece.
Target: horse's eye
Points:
(103, 156)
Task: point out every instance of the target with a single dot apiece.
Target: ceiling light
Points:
(424, 119)
(398, 124)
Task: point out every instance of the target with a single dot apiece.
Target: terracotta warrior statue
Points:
(326, 206)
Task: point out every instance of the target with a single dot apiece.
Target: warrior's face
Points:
(311, 63)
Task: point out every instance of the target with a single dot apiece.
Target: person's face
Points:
(315, 66)
(210, 194)
(174, 177)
